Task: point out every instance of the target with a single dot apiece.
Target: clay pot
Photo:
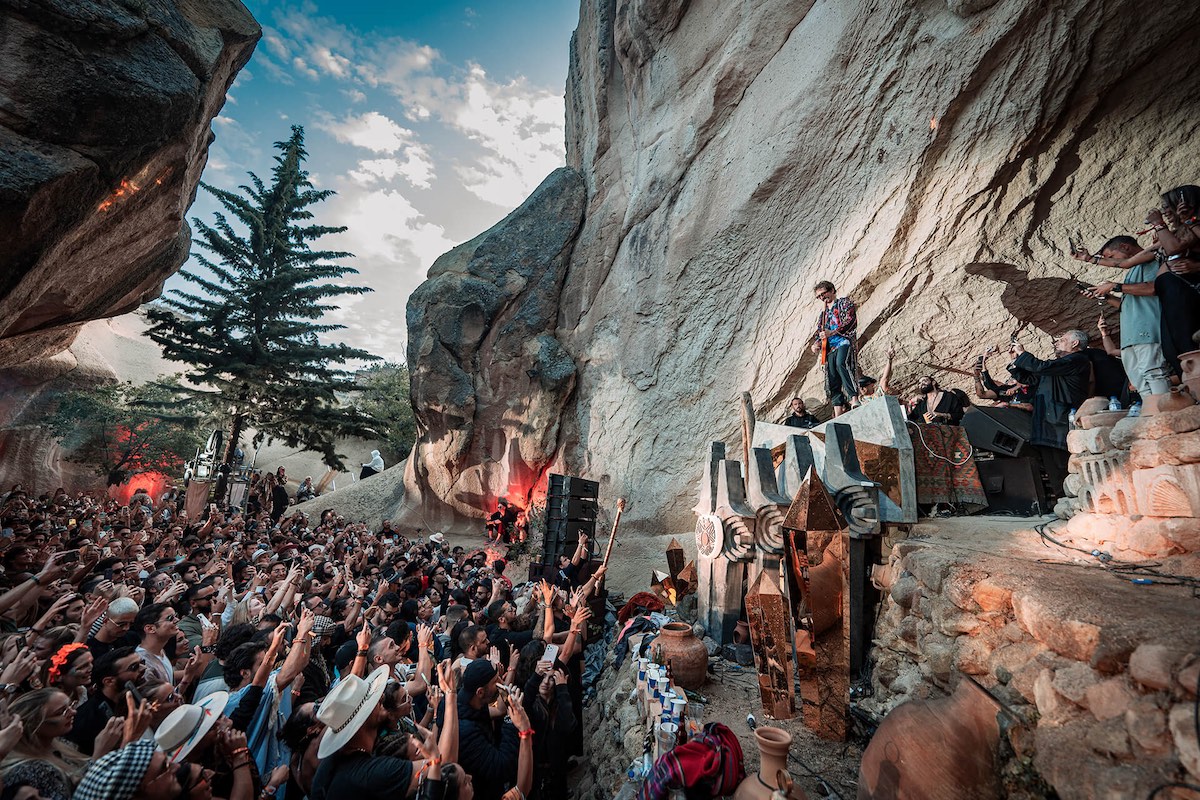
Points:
(741, 632)
(941, 749)
(773, 746)
(1190, 362)
(686, 654)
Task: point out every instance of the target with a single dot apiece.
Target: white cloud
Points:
(376, 132)
(416, 168)
(372, 131)
(520, 130)
(383, 224)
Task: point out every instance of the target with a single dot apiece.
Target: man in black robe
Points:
(1061, 385)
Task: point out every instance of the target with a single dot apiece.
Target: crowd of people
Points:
(1158, 296)
(249, 656)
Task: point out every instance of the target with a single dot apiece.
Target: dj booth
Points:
(1009, 467)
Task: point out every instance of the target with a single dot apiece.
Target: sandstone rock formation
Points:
(931, 159)
(1134, 485)
(104, 129)
(490, 381)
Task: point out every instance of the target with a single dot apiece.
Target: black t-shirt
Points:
(90, 720)
(361, 776)
(515, 639)
(568, 576)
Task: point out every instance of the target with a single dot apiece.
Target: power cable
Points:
(1143, 574)
(928, 449)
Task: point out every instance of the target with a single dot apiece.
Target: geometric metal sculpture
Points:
(817, 539)
(770, 637)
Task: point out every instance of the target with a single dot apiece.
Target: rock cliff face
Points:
(929, 158)
(104, 129)
(489, 379)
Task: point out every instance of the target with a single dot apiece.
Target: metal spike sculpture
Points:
(816, 534)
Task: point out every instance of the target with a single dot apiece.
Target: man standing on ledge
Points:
(1061, 386)
(837, 330)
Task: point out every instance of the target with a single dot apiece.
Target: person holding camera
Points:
(1061, 384)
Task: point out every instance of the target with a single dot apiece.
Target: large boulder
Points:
(490, 380)
(105, 111)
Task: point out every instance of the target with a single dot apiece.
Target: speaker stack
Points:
(571, 505)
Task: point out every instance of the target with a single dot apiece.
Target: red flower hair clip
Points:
(60, 659)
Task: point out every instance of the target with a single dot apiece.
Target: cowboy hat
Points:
(437, 538)
(347, 706)
(184, 727)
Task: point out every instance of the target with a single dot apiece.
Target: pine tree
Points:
(250, 335)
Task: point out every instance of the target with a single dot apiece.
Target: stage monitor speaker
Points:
(1013, 485)
(998, 430)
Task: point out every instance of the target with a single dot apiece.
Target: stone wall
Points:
(1134, 485)
(1101, 674)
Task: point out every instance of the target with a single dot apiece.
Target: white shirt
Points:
(159, 666)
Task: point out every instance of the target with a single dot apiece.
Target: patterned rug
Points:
(946, 471)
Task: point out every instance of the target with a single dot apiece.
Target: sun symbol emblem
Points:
(710, 535)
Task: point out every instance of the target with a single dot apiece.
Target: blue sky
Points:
(430, 120)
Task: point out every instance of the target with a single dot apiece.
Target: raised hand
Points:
(196, 664)
(230, 740)
(110, 737)
(516, 710)
(137, 720)
(494, 655)
(363, 638)
(424, 636)
(20, 668)
(92, 613)
(429, 744)
(305, 625)
(447, 677)
(277, 638)
(547, 593)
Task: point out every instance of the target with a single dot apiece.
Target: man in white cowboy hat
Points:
(184, 727)
(353, 716)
